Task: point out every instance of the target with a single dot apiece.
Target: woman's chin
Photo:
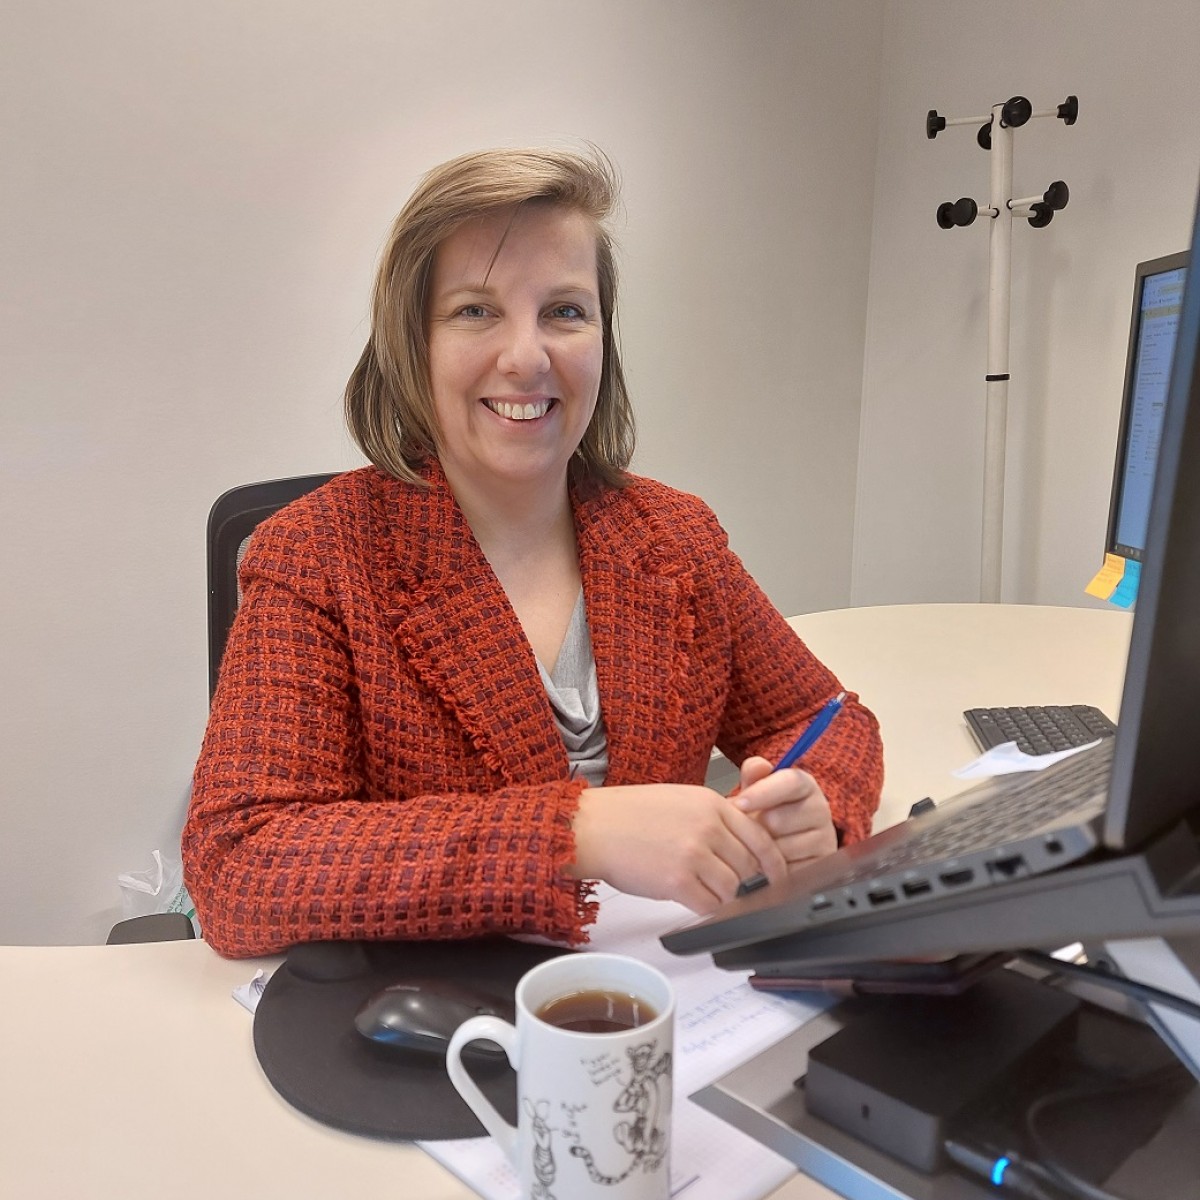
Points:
(508, 472)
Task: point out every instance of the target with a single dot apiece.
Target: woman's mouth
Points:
(528, 410)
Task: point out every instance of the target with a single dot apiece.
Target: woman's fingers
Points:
(774, 788)
(803, 847)
(715, 884)
(797, 816)
(751, 771)
(790, 805)
(764, 853)
(674, 842)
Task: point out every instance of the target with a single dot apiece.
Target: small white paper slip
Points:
(249, 994)
(1006, 759)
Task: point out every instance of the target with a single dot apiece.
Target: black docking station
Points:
(901, 1072)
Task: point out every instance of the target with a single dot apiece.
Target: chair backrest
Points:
(231, 521)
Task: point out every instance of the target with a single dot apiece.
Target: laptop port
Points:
(957, 878)
(1007, 868)
(881, 896)
(916, 887)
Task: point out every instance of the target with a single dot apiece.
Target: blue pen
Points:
(817, 726)
(800, 747)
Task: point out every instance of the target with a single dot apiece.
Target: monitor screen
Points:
(1157, 299)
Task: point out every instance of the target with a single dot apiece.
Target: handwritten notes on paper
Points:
(720, 1021)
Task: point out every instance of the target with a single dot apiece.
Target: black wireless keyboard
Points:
(1039, 730)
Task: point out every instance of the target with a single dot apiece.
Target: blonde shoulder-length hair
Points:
(388, 400)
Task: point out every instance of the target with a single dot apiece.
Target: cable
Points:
(1007, 1172)
(1026, 1177)
(1076, 1186)
(1117, 983)
(1012, 1172)
(1062, 1175)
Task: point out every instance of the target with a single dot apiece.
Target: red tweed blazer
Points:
(381, 760)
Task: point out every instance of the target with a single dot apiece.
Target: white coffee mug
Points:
(594, 1108)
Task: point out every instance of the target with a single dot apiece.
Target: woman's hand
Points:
(671, 842)
(791, 806)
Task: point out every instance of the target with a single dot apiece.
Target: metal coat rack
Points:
(996, 136)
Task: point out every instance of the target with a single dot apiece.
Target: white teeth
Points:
(519, 412)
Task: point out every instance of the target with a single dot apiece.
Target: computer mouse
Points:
(423, 1013)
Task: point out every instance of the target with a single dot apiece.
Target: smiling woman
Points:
(389, 406)
(516, 348)
(489, 669)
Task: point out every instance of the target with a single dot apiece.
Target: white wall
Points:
(1131, 163)
(193, 200)
(194, 196)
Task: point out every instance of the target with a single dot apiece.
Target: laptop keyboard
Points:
(1037, 729)
(1028, 802)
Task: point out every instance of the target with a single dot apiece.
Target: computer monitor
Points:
(1144, 879)
(1157, 302)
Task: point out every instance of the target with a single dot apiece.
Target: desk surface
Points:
(129, 1068)
(919, 666)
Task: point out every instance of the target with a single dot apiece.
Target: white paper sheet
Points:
(1006, 759)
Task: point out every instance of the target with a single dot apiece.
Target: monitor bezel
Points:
(1143, 271)
(1154, 776)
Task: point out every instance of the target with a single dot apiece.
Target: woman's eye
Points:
(568, 312)
(473, 312)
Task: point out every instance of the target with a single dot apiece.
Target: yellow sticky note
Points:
(1106, 579)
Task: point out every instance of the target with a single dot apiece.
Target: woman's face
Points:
(516, 347)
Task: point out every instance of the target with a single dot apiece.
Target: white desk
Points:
(128, 1070)
(918, 666)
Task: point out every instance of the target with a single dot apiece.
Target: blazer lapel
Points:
(455, 627)
(639, 604)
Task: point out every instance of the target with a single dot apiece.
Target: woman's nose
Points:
(523, 352)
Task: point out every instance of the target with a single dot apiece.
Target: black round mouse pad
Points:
(310, 1050)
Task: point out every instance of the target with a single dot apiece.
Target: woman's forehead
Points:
(507, 244)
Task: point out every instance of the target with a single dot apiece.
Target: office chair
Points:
(151, 927)
(231, 521)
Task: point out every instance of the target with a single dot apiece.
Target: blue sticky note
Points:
(1127, 590)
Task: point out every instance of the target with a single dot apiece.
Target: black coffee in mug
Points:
(597, 1011)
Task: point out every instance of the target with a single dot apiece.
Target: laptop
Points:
(1099, 844)
(1007, 828)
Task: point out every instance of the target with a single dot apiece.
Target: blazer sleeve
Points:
(283, 841)
(777, 685)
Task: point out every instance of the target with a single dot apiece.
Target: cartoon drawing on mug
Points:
(643, 1096)
(543, 1155)
(594, 1105)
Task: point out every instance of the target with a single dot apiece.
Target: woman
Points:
(467, 680)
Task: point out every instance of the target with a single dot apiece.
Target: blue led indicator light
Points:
(998, 1169)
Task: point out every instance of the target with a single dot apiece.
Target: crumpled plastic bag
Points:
(158, 890)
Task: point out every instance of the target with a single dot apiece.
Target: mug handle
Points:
(494, 1030)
